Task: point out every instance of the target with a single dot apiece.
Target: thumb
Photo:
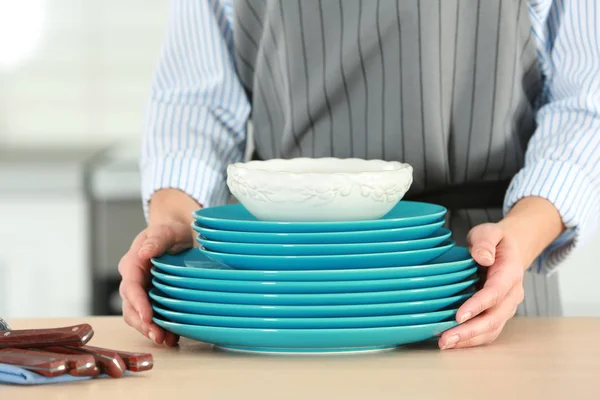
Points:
(483, 240)
(160, 239)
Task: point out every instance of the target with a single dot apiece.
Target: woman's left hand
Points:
(484, 315)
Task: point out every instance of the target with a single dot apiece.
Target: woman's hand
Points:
(485, 314)
(167, 232)
(507, 249)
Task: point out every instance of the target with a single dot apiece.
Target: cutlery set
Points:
(59, 351)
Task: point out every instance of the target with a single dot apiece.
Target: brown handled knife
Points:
(78, 364)
(77, 335)
(38, 362)
(108, 361)
(136, 362)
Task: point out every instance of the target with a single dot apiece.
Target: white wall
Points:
(87, 79)
(580, 281)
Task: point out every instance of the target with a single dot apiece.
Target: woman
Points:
(494, 103)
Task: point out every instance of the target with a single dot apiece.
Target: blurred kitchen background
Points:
(74, 78)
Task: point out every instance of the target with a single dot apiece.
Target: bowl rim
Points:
(251, 166)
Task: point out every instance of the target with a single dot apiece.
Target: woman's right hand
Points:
(166, 233)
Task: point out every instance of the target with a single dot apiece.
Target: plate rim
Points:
(197, 215)
(275, 319)
(447, 233)
(316, 274)
(446, 244)
(154, 269)
(314, 330)
(284, 296)
(152, 293)
(197, 227)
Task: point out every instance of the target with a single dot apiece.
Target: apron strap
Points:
(476, 195)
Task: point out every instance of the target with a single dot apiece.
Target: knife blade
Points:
(136, 362)
(76, 335)
(43, 364)
(108, 361)
(77, 364)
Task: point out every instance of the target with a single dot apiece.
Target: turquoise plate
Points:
(342, 261)
(262, 249)
(359, 310)
(290, 341)
(193, 264)
(370, 236)
(235, 217)
(318, 299)
(289, 287)
(306, 323)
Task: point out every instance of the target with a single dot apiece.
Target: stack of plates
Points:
(314, 287)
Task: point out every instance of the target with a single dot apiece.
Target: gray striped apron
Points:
(448, 86)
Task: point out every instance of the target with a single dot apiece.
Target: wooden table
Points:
(533, 359)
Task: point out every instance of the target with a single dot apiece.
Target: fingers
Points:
(483, 316)
(134, 268)
(479, 330)
(133, 319)
(501, 278)
(150, 330)
(483, 240)
(162, 239)
(134, 293)
(480, 340)
(486, 327)
(135, 277)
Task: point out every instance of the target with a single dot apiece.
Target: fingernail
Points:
(485, 255)
(465, 317)
(451, 342)
(142, 318)
(152, 336)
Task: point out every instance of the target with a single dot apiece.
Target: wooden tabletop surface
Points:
(533, 359)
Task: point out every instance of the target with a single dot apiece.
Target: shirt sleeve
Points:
(562, 161)
(197, 112)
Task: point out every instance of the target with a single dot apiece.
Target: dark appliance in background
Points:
(116, 217)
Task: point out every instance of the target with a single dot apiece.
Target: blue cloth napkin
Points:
(19, 376)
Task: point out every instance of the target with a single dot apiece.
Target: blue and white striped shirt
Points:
(198, 111)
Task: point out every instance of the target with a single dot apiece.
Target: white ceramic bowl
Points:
(319, 189)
